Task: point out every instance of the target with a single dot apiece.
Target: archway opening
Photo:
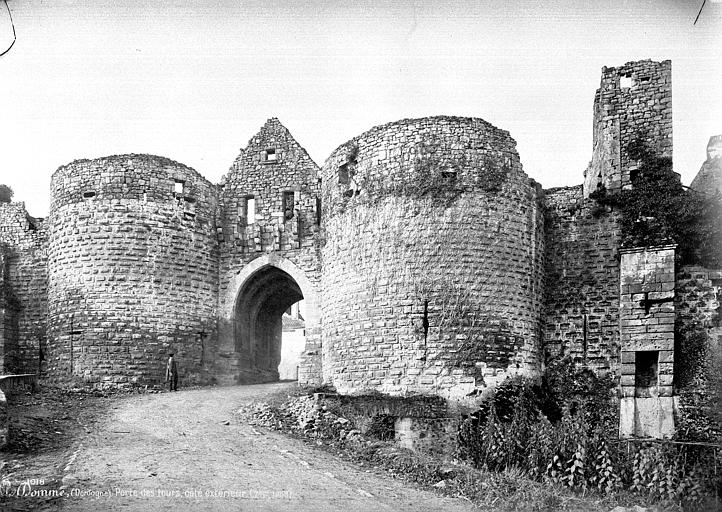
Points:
(259, 319)
(293, 341)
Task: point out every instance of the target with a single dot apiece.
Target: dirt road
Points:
(189, 451)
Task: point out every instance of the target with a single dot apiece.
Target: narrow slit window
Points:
(250, 210)
(289, 204)
(425, 321)
(88, 194)
(271, 155)
(318, 211)
(343, 176)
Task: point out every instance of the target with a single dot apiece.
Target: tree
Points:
(6, 194)
(658, 210)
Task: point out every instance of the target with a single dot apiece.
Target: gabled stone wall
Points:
(269, 206)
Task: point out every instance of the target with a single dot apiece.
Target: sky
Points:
(194, 81)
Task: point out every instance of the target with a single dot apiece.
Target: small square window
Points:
(271, 155)
(179, 186)
(625, 82)
(646, 363)
(448, 174)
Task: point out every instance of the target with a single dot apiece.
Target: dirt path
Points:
(188, 451)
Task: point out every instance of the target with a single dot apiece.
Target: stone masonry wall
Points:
(647, 317)
(581, 304)
(432, 277)
(282, 180)
(698, 346)
(133, 271)
(25, 313)
(7, 308)
(633, 101)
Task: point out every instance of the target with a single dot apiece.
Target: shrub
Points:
(577, 444)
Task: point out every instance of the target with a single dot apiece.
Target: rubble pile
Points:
(303, 415)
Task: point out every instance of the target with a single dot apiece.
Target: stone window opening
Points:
(353, 188)
(625, 82)
(646, 367)
(289, 205)
(179, 187)
(270, 155)
(250, 213)
(88, 194)
(343, 174)
(318, 211)
(449, 175)
(425, 321)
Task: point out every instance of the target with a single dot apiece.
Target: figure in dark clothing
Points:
(171, 373)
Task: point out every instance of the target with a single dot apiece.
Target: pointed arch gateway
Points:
(262, 291)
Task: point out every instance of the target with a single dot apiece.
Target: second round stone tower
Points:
(433, 259)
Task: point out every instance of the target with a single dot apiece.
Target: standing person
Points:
(171, 373)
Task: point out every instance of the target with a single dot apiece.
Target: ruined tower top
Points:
(714, 147)
(709, 177)
(633, 104)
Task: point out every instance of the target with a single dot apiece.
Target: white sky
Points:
(194, 81)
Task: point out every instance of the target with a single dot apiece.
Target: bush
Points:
(564, 430)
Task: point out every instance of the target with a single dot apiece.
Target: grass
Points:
(506, 491)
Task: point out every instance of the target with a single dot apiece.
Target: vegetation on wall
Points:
(416, 215)
(657, 209)
(435, 172)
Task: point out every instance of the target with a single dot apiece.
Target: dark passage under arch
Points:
(259, 310)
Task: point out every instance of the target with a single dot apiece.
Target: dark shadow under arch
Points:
(258, 324)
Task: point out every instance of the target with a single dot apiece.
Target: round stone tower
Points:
(132, 270)
(432, 263)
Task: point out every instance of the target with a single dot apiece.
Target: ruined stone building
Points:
(427, 260)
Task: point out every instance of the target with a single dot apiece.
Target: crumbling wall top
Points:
(131, 176)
